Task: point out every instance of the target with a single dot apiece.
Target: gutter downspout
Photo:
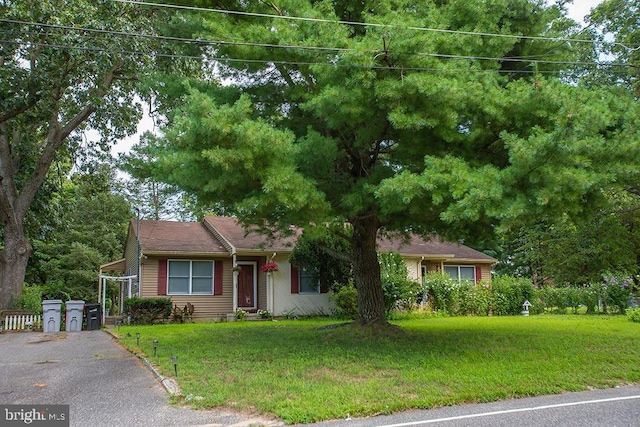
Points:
(235, 283)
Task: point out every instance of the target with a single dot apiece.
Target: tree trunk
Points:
(366, 272)
(13, 264)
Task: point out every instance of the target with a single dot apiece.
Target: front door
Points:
(247, 285)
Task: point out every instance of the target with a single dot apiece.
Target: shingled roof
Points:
(235, 235)
(433, 247)
(224, 235)
(177, 237)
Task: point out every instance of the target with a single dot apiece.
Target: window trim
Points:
(458, 266)
(190, 278)
(300, 282)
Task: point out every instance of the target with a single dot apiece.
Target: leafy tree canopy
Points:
(66, 67)
(440, 116)
(619, 22)
(325, 254)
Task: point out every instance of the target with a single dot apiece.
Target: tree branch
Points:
(54, 140)
(8, 115)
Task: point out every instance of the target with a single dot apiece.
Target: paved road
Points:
(103, 383)
(610, 407)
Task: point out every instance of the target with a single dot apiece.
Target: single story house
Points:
(218, 266)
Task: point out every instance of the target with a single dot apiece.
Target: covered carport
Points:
(125, 284)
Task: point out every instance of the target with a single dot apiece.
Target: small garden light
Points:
(525, 307)
(117, 324)
(175, 364)
(138, 338)
(155, 347)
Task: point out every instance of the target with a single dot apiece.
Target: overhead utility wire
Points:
(322, 48)
(364, 24)
(168, 38)
(295, 63)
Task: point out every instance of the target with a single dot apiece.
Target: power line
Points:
(355, 23)
(169, 38)
(206, 42)
(292, 63)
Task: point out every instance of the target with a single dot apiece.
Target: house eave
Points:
(473, 260)
(118, 265)
(185, 254)
(225, 242)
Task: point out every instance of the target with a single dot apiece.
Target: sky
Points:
(578, 10)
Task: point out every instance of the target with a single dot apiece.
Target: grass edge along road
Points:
(305, 371)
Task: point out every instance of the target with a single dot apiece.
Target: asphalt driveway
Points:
(103, 384)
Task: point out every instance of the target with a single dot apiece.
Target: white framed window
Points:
(307, 284)
(461, 272)
(186, 277)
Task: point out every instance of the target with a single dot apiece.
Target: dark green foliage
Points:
(508, 293)
(618, 292)
(399, 292)
(619, 20)
(346, 300)
(65, 292)
(325, 254)
(611, 295)
(396, 129)
(147, 311)
(56, 83)
(91, 231)
(31, 299)
(576, 252)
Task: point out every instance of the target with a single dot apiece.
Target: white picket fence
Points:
(21, 322)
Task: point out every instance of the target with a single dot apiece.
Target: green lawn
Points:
(306, 371)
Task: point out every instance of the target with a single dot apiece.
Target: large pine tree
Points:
(395, 115)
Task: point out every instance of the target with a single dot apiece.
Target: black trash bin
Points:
(94, 316)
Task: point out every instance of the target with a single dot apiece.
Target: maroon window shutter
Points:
(217, 277)
(162, 277)
(478, 273)
(324, 289)
(295, 280)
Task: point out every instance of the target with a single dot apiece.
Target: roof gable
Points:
(243, 239)
(177, 237)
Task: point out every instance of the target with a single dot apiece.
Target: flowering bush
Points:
(264, 314)
(240, 314)
(442, 292)
(618, 291)
(269, 267)
(397, 289)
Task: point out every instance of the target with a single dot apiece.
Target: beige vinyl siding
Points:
(130, 253)
(207, 307)
(485, 275)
